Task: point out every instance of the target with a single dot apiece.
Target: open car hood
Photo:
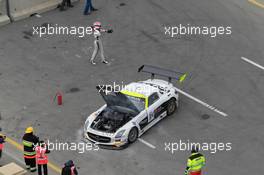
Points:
(116, 99)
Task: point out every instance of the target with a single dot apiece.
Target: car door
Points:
(154, 106)
(149, 115)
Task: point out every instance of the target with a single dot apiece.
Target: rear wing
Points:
(153, 70)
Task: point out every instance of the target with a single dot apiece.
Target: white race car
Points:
(131, 111)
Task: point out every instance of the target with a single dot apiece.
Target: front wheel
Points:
(172, 106)
(133, 135)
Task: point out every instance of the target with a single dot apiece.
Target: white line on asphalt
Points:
(147, 143)
(202, 103)
(252, 62)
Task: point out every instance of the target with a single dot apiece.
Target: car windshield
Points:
(139, 103)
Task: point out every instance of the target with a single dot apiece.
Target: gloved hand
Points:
(110, 31)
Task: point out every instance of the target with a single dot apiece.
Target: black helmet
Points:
(195, 149)
(41, 143)
(69, 163)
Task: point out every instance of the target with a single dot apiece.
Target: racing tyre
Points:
(133, 135)
(172, 106)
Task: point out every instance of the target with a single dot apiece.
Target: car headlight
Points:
(120, 133)
(91, 117)
(86, 124)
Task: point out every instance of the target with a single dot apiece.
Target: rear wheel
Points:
(133, 135)
(172, 106)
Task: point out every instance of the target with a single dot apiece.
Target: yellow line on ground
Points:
(14, 143)
(256, 3)
(20, 148)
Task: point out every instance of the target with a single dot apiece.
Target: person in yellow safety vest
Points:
(42, 158)
(2, 141)
(30, 141)
(195, 163)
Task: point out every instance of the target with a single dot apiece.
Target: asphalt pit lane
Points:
(28, 33)
(205, 117)
(26, 37)
(46, 24)
(74, 90)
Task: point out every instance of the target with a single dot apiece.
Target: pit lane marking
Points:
(256, 3)
(202, 103)
(147, 143)
(252, 62)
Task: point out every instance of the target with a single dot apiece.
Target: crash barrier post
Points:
(12, 169)
(4, 19)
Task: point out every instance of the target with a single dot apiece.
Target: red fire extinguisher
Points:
(58, 96)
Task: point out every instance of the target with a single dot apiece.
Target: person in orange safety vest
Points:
(69, 168)
(42, 158)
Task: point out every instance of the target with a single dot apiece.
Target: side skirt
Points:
(155, 121)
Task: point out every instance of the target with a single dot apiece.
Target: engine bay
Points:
(110, 120)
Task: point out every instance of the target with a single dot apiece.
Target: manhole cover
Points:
(205, 116)
(73, 90)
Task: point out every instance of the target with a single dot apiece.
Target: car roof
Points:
(140, 88)
(146, 88)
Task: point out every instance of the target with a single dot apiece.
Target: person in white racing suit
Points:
(98, 45)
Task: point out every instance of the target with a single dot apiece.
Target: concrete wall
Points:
(20, 9)
(4, 19)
